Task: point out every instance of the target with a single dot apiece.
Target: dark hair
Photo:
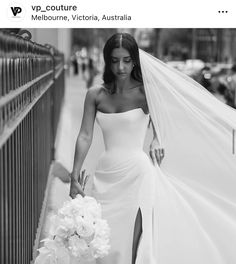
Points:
(127, 42)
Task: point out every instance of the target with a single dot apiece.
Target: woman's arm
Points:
(156, 152)
(84, 140)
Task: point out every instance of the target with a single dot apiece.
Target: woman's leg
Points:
(137, 234)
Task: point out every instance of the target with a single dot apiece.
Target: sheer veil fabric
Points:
(196, 190)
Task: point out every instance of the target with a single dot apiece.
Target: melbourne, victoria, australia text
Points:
(78, 17)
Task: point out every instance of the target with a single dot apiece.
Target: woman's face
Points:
(121, 63)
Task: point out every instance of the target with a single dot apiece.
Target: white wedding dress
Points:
(124, 182)
(179, 226)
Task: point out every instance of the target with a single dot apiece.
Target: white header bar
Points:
(118, 14)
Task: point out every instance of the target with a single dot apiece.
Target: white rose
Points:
(77, 246)
(77, 205)
(65, 210)
(88, 254)
(62, 227)
(88, 239)
(60, 241)
(68, 222)
(84, 228)
(62, 231)
(100, 247)
(79, 198)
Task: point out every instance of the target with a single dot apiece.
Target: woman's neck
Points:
(123, 85)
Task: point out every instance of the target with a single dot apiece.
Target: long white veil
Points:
(196, 192)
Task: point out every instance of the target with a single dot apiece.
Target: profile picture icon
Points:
(16, 11)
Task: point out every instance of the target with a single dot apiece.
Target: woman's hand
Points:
(156, 153)
(83, 179)
(78, 186)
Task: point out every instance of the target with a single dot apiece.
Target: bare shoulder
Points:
(94, 92)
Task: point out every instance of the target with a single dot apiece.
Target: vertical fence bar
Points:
(6, 253)
(1, 204)
(21, 197)
(10, 200)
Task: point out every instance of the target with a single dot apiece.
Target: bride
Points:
(185, 211)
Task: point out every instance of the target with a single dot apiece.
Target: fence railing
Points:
(31, 93)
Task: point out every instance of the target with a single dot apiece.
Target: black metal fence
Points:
(31, 93)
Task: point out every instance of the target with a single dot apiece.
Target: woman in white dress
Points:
(123, 178)
(184, 212)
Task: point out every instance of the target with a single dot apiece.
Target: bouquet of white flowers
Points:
(77, 233)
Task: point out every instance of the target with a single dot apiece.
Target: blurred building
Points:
(143, 37)
(60, 38)
(216, 45)
(209, 45)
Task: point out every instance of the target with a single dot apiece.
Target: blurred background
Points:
(206, 54)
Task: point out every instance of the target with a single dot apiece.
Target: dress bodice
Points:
(123, 131)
